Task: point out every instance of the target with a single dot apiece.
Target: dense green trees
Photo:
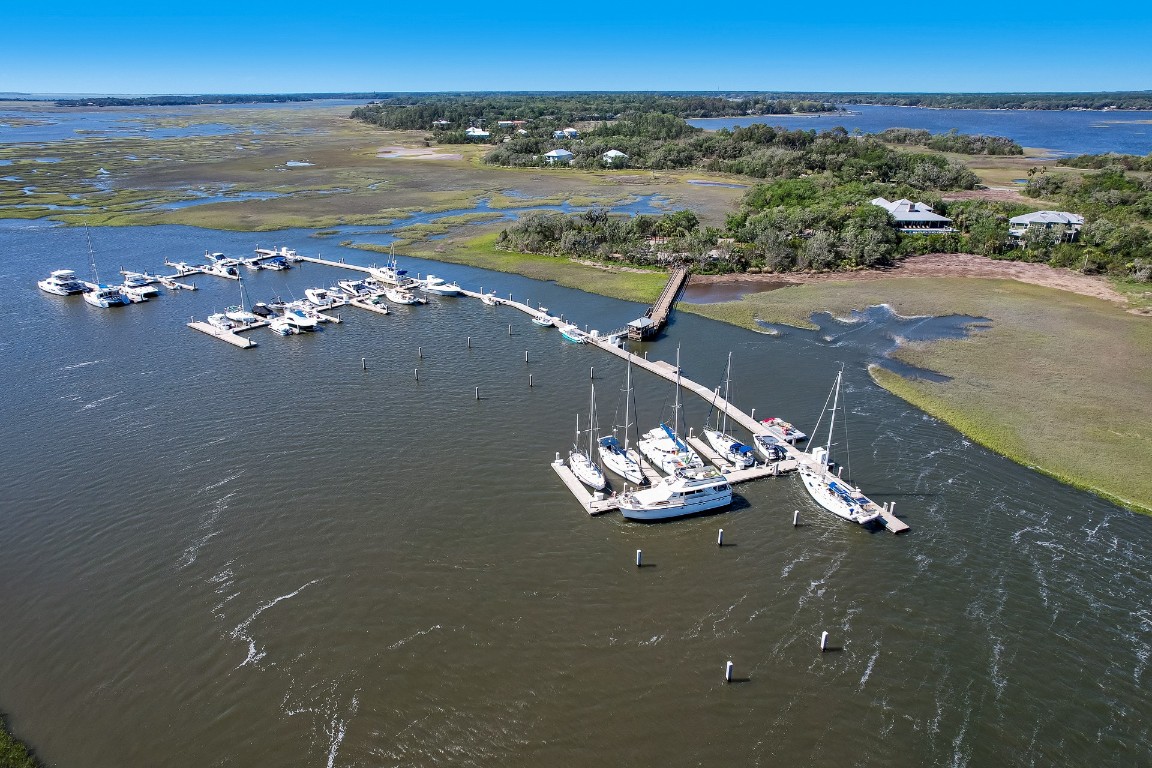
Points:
(952, 141)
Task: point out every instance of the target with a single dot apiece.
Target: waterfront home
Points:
(915, 218)
(1066, 225)
(477, 133)
(566, 133)
(562, 156)
(614, 157)
(440, 125)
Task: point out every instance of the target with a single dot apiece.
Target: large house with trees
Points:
(915, 218)
(1059, 225)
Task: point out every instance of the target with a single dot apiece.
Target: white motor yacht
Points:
(687, 492)
(283, 326)
(62, 282)
(784, 429)
(400, 295)
(321, 297)
(299, 320)
(105, 296)
(439, 286)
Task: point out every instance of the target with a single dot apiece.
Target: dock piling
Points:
(416, 373)
(823, 642)
(753, 414)
(720, 538)
(477, 393)
(525, 356)
(728, 672)
(363, 363)
(419, 353)
(509, 329)
(469, 342)
(639, 558)
(796, 518)
(592, 372)
(530, 380)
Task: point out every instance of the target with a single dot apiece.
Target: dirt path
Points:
(949, 265)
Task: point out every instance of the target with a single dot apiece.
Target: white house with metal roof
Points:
(477, 133)
(915, 218)
(614, 156)
(1068, 225)
(561, 156)
(566, 133)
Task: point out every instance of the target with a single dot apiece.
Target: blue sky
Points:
(243, 46)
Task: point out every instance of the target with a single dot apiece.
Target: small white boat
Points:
(379, 303)
(221, 321)
(786, 430)
(62, 282)
(142, 282)
(307, 309)
(439, 286)
(770, 447)
(544, 321)
(401, 295)
(299, 320)
(489, 299)
(356, 288)
(253, 263)
(686, 492)
(321, 297)
(105, 296)
(134, 294)
(283, 326)
(276, 264)
(572, 333)
(220, 260)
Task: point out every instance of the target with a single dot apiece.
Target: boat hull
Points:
(677, 497)
(624, 464)
(822, 486)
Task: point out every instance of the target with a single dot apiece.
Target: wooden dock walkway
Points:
(656, 317)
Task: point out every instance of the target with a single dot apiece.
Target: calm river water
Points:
(226, 557)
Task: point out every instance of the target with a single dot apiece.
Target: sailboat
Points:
(580, 461)
(100, 295)
(834, 494)
(663, 445)
(240, 313)
(730, 449)
(621, 459)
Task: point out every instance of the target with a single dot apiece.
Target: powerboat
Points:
(134, 294)
(62, 282)
(283, 326)
(221, 321)
(142, 282)
(253, 263)
(276, 264)
(260, 309)
(321, 297)
(489, 299)
(105, 296)
(771, 448)
(356, 288)
(299, 320)
(544, 321)
(440, 287)
(571, 333)
(379, 304)
(689, 491)
(220, 260)
(786, 430)
(401, 295)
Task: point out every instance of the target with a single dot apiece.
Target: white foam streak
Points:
(413, 636)
(240, 632)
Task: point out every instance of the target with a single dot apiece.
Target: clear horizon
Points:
(263, 47)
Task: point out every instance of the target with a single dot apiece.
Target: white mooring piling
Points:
(469, 342)
(530, 380)
(477, 393)
(363, 363)
(416, 373)
(720, 538)
(525, 356)
(753, 414)
(592, 372)
(728, 672)
(509, 329)
(796, 518)
(823, 642)
(558, 460)
(639, 558)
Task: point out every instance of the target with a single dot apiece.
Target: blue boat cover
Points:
(679, 445)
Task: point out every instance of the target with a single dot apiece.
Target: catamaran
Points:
(62, 282)
(834, 494)
(580, 461)
(98, 294)
(621, 459)
(663, 445)
(730, 449)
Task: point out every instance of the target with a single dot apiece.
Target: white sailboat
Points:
(98, 294)
(834, 494)
(580, 461)
(730, 449)
(663, 446)
(621, 459)
(239, 313)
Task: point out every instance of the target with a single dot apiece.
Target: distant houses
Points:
(561, 156)
(566, 133)
(440, 125)
(614, 157)
(915, 218)
(1065, 225)
(477, 133)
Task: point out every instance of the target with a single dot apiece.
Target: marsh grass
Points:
(1059, 382)
(13, 752)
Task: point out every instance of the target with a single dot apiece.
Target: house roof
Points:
(1048, 217)
(641, 322)
(477, 132)
(614, 153)
(558, 153)
(905, 210)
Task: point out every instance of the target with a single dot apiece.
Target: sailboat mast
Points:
(591, 421)
(676, 407)
(91, 255)
(727, 384)
(832, 423)
(627, 397)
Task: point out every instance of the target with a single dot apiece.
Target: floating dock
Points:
(229, 336)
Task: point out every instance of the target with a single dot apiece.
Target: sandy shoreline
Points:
(947, 265)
